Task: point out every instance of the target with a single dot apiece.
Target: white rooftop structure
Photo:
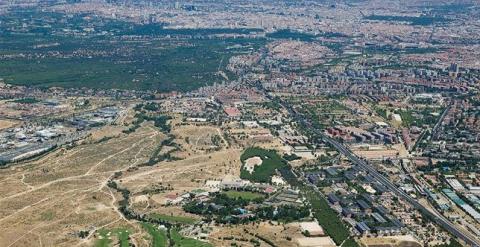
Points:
(396, 117)
(455, 184)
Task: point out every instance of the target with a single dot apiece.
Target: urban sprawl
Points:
(239, 123)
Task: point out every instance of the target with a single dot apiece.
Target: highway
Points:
(434, 129)
(440, 121)
(438, 219)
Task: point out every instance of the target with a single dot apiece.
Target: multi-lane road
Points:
(437, 218)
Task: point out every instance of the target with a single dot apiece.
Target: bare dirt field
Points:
(47, 202)
(51, 200)
(279, 234)
(199, 139)
(406, 240)
(5, 124)
(380, 152)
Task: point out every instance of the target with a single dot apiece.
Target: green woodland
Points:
(55, 50)
(263, 173)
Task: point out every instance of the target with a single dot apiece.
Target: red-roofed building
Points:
(171, 196)
(269, 190)
(232, 112)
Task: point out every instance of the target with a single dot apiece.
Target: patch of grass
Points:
(159, 237)
(263, 173)
(350, 243)
(47, 215)
(123, 237)
(104, 239)
(180, 241)
(408, 119)
(174, 219)
(247, 195)
(381, 112)
(26, 101)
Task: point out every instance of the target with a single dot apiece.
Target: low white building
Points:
(279, 181)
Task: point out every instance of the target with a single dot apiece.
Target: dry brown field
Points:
(279, 234)
(48, 201)
(5, 124)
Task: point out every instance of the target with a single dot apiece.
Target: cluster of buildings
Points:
(458, 135)
(368, 208)
(29, 140)
(373, 64)
(22, 143)
(356, 135)
(278, 193)
(470, 202)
